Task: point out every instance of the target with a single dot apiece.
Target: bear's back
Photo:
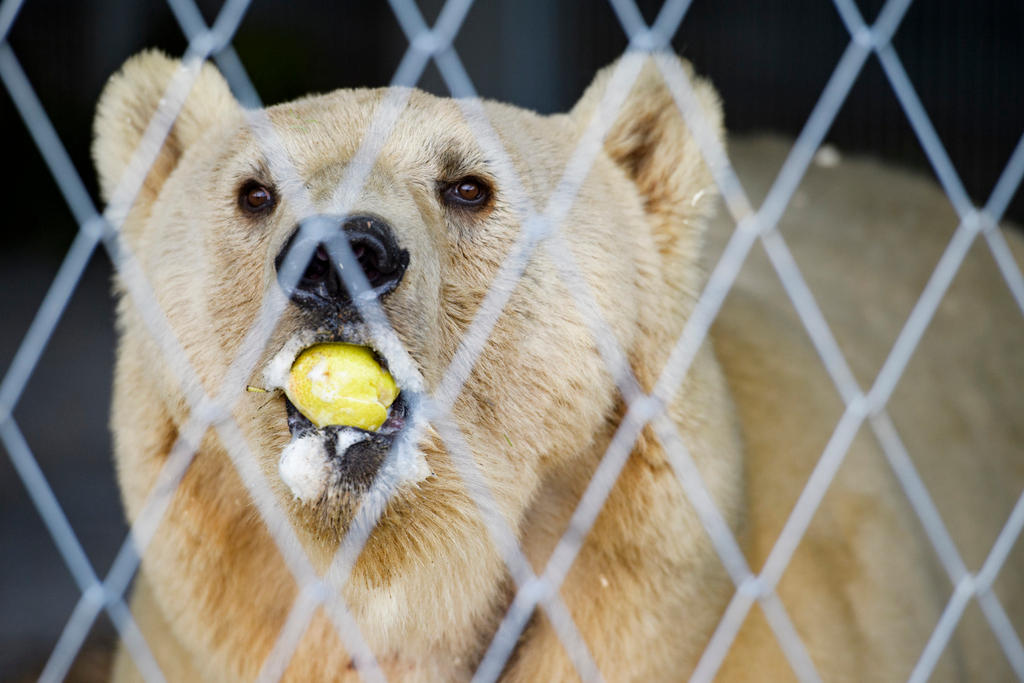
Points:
(866, 239)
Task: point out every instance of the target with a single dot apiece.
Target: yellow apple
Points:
(339, 384)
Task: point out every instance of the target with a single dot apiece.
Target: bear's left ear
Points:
(131, 98)
(651, 142)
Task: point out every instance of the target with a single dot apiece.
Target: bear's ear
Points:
(127, 104)
(651, 142)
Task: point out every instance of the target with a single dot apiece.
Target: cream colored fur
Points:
(539, 408)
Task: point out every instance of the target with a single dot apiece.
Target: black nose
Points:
(373, 247)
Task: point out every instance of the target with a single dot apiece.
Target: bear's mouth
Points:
(353, 456)
(323, 463)
(299, 425)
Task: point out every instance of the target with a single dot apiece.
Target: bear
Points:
(214, 239)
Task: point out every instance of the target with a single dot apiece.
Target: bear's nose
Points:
(373, 246)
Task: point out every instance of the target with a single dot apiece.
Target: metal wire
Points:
(540, 228)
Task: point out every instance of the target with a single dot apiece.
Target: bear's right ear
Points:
(652, 144)
(129, 101)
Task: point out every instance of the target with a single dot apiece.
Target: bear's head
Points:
(500, 317)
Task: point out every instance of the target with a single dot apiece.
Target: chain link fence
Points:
(754, 224)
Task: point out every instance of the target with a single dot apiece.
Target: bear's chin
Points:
(336, 472)
(350, 457)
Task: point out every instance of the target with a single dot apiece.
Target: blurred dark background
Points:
(770, 63)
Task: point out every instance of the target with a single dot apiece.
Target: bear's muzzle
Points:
(320, 284)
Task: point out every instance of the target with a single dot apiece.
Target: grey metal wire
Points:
(877, 37)
(538, 228)
(8, 13)
(589, 507)
(363, 169)
(369, 161)
(123, 197)
(24, 362)
(67, 544)
(128, 561)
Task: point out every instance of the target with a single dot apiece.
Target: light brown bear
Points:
(431, 226)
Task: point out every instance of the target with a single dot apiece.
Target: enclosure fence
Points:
(540, 233)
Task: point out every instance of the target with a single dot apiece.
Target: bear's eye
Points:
(468, 192)
(255, 198)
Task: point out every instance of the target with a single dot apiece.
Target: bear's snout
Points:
(374, 249)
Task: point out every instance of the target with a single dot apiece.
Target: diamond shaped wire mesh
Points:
(540, 230)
